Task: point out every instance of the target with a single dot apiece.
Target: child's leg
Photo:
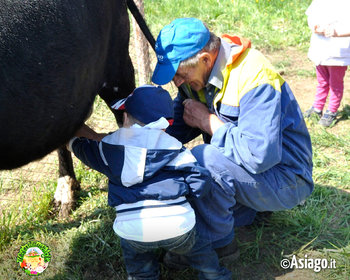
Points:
(336, 82)
(322, 88)
(203, 258)
(140, 260)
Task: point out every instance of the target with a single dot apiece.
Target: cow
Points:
(55, 56)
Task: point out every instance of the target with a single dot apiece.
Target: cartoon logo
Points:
(34, 257)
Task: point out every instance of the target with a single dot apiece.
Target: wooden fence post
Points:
(141, 49)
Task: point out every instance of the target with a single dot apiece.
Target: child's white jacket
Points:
(332, 51)
(151, 177)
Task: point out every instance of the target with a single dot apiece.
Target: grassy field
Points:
(84, 246)
(270, 24)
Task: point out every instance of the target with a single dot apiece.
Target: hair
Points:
(133, 120)
(212, 45)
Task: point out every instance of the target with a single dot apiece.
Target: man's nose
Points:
(178, 81)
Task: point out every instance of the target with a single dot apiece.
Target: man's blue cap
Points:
(147, 104)
(181, 39)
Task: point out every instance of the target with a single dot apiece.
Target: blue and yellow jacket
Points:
(264, 126)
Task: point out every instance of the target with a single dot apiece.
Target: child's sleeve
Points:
(89, 152)
(179, 129)
(342, 29)
(311, 17)
(196, 177)
(199, 181)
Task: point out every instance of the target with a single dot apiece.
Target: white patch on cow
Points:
(64, 192)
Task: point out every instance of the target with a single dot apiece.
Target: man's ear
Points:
(206, 58)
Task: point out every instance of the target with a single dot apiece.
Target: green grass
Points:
(270, 25)
(330, 150)
(28, 211)
(84, 246)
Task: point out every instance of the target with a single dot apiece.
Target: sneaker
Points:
(228, 252)
(308, 113)
(327, 118)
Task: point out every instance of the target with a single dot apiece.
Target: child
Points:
(151, 179)
(330, 51)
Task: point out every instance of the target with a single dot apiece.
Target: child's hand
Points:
(87, 132)
(330, 31)
(325, 30)
(318, 29)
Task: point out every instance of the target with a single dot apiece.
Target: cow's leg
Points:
(67, 185)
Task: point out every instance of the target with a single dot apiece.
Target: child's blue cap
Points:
(147, 104)
(181, 39)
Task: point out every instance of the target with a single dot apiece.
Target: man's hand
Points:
(196, 114)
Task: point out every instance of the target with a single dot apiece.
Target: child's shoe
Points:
(327, 118)
(311, 111)
(229, 252)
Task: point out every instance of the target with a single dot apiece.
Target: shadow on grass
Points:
(343, 114)
(319, 229)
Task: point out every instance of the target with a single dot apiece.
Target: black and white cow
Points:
(55, 56)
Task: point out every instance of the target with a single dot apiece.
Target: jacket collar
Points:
(231, 48)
